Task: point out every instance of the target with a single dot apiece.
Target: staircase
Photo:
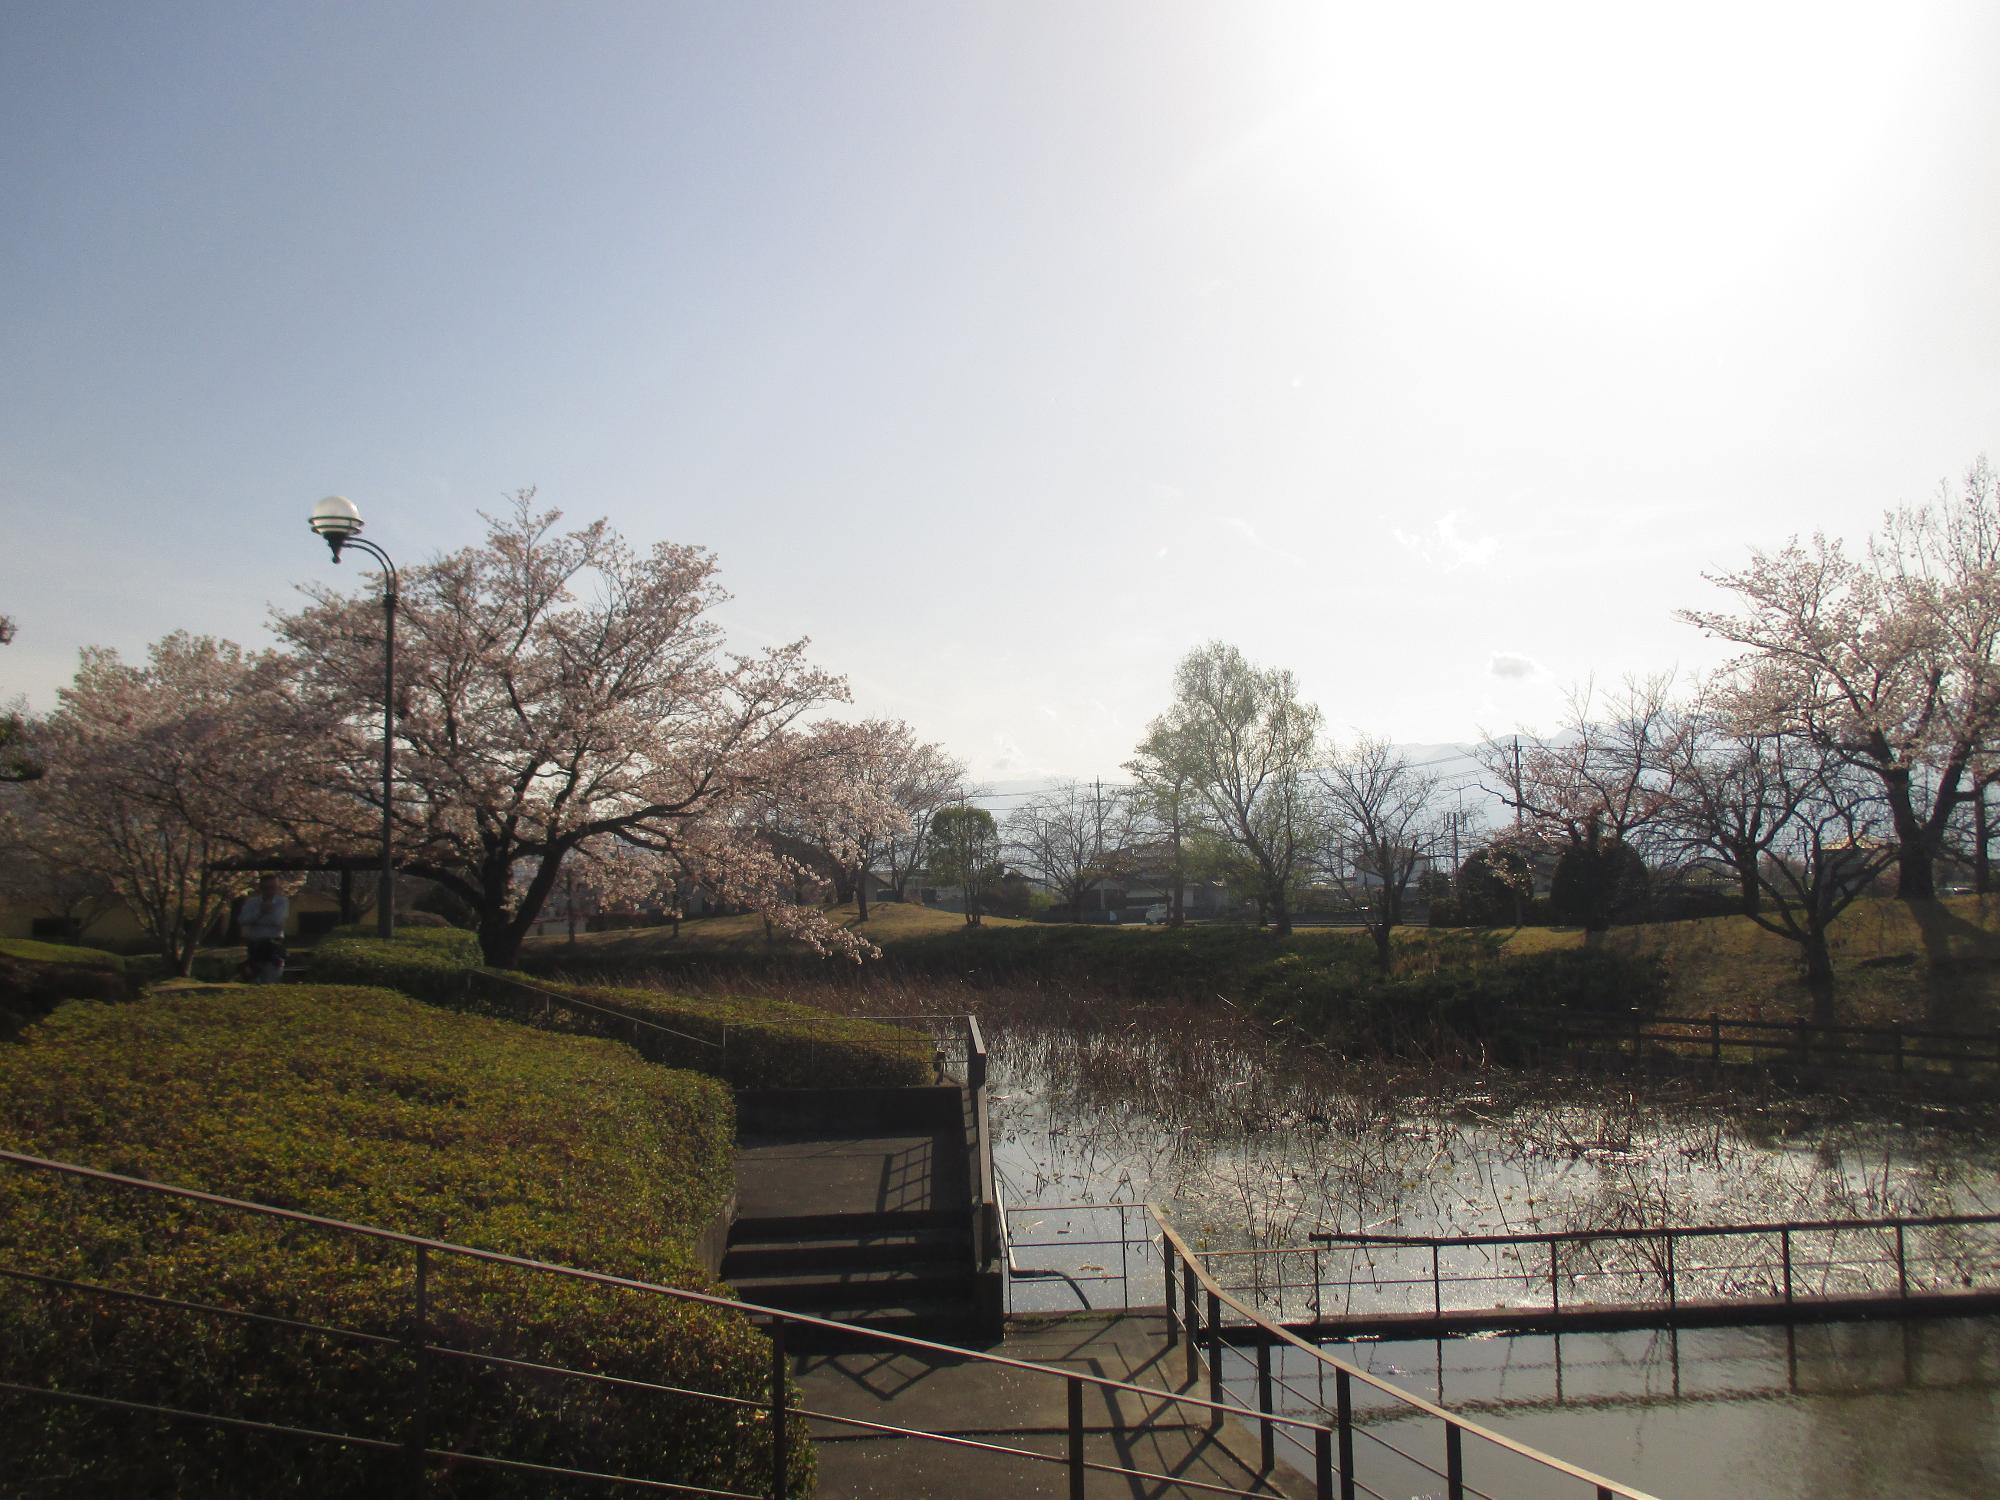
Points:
(868, 1222)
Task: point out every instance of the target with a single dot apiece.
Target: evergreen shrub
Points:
(368, 1107)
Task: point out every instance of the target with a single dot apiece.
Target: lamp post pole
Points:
(338, 521)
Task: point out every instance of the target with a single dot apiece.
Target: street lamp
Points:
(336, 519)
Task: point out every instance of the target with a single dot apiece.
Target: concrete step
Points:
(773, 1255)
(858, 1289)
(940, 1321)
(779, 1228)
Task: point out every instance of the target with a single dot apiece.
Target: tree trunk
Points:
(1982, 874)
(1752, 889)
(1281, 914)
(1915, 860)
(861, 896)
(1380, 932)
(1819, 975)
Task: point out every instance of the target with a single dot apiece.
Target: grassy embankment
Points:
(1894, 961)
(371, 1107)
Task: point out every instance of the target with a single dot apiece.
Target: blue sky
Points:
(1008, 351)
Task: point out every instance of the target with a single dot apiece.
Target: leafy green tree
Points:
(1494, 884)
(1244, 740)
(965, 852)
(1597, 882)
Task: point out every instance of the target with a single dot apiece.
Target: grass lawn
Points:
(1936, 965)
(888, 923)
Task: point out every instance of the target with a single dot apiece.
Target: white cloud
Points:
(1446, 547)
(1513, 665)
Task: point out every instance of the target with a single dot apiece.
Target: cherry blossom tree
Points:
(1594, 791)
(1804, 831)
(16, 763)
(159, 774)
(1892, 661)
(891, 784)
(561, 691)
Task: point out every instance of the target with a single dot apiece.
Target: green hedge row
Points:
(60, 953)
(37, 977)
(430, 963)
(368, 1107)
(769, 1044)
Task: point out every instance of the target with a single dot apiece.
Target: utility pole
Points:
(1517, 783)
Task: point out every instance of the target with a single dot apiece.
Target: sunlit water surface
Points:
(1244, 1146)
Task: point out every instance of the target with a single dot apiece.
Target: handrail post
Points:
(1075, 1438)
(778, 1370)
(1343, 1406)
(1267, 1435)
(1124, 1258)
(1215, 1351)
(1454, 1462)
(1322, 1464)
(1318, 1303)
(1437, 1291)
(1902, 1265)
(1167, 1271)
(1189, 1322)
(420, 1403)
(1673, 1299)
(1785, 1250)
(1555, 1286)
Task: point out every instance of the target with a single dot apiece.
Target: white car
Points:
(1158, 914)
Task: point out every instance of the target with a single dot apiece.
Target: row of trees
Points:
(567, 714)
(1859, 729)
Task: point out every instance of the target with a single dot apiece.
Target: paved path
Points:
(809, 1173)
(996, 1405)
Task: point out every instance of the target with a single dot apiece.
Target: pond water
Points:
(1246, 1144)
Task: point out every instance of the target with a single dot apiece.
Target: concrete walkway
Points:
(965, 1398)
(779, 1175)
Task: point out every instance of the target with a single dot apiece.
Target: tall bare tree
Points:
(1070, 837)
(1384, 824)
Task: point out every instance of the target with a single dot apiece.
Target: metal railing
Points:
(416, 1344)
(1199, 1310)
(1141, 1249)
(1717, 1040)
(1668, 1270)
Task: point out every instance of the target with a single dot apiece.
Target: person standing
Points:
(261, 919)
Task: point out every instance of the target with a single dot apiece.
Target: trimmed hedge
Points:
(769, 1044)
(429, 963)
(373, 1108)
(37, 977)
(60, 953)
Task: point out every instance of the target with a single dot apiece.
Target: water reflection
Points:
(1247, 1144)
(1831, 1411)
(1250, 1144)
